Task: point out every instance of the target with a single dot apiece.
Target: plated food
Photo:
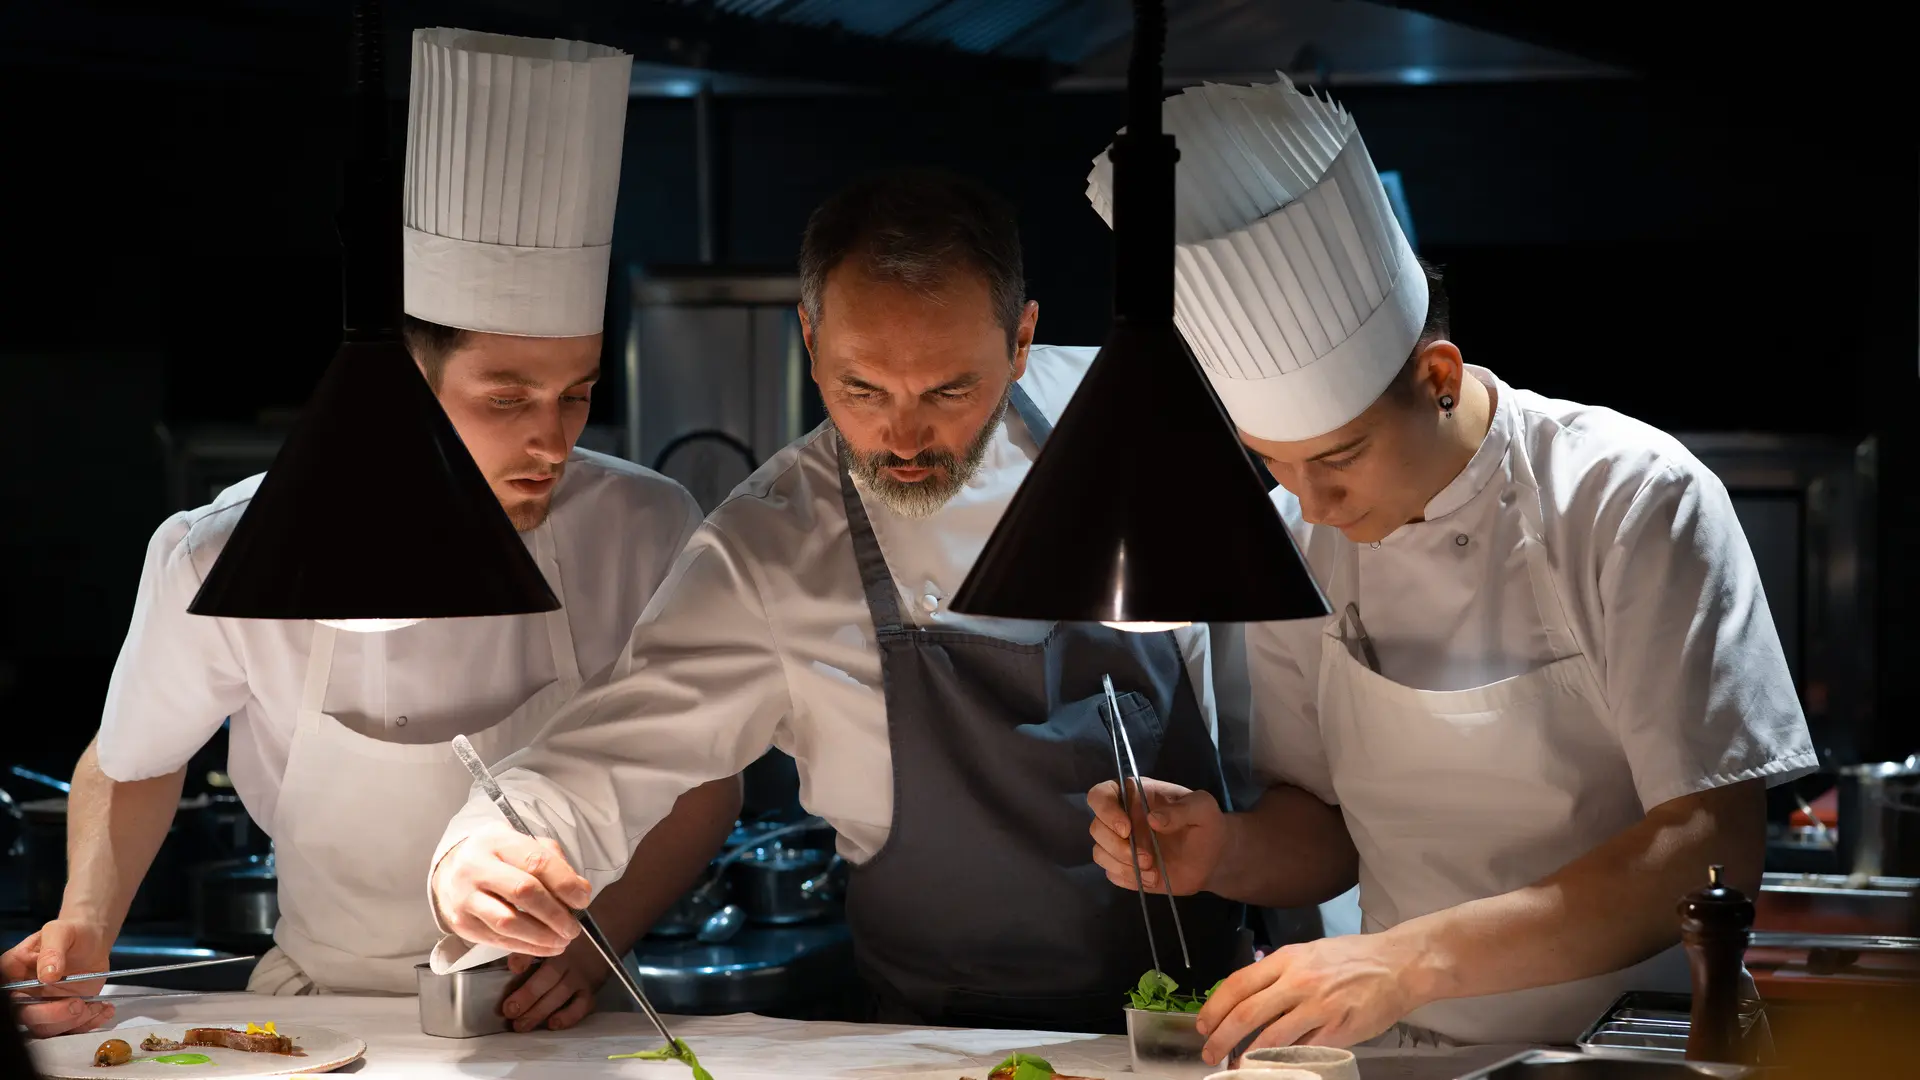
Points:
(256, 1039)
(202, 1050)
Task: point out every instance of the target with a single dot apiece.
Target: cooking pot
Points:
(44, 844)
(1879, 809)
(779, 885)
(716, 888)
(236, 903)
(206, 828)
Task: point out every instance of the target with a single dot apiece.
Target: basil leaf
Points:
(1025, 1067)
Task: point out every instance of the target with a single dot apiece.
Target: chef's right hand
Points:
(501, 888)
(57, 950)
(1191, 829)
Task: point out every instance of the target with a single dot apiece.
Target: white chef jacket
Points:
(617, 528)
(761, 636)
(1651, 568)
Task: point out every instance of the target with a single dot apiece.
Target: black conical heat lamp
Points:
(373, 513)
(1143, 510)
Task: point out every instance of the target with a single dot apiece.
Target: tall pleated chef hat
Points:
(1293, 283)
(513, 165)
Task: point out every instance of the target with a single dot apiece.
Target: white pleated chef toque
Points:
(512, 169)
(1293, 283)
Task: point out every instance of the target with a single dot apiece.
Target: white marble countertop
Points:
(742, 1047)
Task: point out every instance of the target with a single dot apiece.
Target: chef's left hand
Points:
(557, 995)
(1335, 991)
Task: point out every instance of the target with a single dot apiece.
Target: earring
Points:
(1446, 405)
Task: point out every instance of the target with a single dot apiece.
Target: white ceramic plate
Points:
(70, 1057)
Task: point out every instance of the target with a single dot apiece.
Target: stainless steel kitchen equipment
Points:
(465, 1004)
(1125, 772)
(1879, 804)
(779, 885)
(1645, 1023)
(236, 903)
(121, 973)
(771, 970)
(704, 911)
(1167, 1044)
(715, 374)
(1564, 1065)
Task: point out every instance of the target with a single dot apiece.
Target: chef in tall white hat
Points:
(1550, 694)
(339, 741)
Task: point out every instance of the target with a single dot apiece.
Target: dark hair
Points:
(1434, 329)
(916, 227)
(430, 344)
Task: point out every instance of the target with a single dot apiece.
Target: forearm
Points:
(1290, 850)
(667, 862)
(1609, 909)
(114, 830)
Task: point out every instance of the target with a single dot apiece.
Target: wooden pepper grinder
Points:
(1715, 926)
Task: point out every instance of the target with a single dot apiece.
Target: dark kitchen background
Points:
(1704, 218)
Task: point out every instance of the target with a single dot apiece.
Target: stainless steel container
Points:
(463, 1004)
(1167, 1044)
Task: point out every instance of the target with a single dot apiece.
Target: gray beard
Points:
(922, 498)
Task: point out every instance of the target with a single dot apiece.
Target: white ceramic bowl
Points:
(1324, 1062)
(1270, 1072)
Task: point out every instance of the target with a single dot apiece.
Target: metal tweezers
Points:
(1131, 769)
(463, 750)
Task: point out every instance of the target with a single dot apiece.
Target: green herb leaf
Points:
(663, 1054)
(1026, 1067)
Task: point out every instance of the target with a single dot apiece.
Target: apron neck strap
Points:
(1037, 424)
(313, 693)
(876, 581)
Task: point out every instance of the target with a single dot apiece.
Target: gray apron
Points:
(984, 908)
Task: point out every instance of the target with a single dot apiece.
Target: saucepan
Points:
(236, 904)
(710, 911)
(781, 886)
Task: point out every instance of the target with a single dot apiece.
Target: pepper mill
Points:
(1715, 926)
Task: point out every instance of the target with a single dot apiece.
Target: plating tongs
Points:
(464, 751)
(1131, 768)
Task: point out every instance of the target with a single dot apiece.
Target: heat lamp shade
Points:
(1142, 507)
(373, 509)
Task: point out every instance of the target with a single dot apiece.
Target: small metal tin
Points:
(463, 1004)
(1167, 1044)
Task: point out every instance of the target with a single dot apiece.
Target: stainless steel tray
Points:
(1650, 1023)
(1566, 1065)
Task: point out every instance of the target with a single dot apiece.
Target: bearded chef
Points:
(1550, 694)
(810, 612)
(339, 741)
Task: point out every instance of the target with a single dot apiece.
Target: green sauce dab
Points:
(679, 1051)
(182, 1059)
